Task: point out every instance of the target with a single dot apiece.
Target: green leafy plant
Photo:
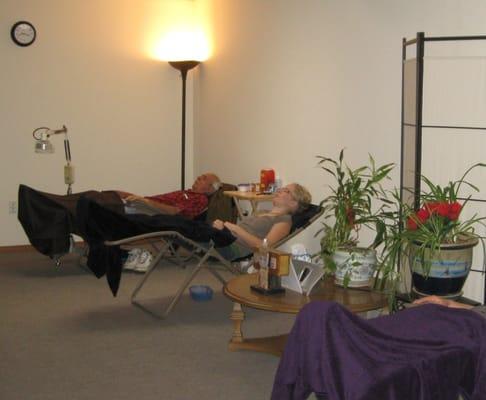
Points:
(437, 222)
(349, 207)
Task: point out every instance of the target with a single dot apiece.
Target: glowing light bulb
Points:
(183, 45)
(178, 30)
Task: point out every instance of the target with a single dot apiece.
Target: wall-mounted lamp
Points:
(44, 146)
(184, 66)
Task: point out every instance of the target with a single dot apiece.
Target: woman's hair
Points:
(302, 196)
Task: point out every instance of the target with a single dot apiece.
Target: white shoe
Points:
(132, 260)
(143, 262)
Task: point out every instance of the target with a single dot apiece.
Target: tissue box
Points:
(278, 262)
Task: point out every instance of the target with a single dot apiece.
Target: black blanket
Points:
(423, 353)
(49, 219)
(97, 217)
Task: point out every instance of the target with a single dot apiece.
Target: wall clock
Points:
(23, 33)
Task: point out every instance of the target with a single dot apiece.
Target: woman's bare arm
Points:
(441, 302)
(278, 231)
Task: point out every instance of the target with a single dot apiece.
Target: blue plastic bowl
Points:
(201, 293)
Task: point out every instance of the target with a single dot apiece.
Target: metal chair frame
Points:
(168, 241)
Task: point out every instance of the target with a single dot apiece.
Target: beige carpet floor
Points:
(63, 336)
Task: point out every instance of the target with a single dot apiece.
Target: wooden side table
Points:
(253, 197)
(239, 291)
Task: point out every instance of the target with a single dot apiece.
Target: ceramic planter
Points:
(357, 263)
(449, 268)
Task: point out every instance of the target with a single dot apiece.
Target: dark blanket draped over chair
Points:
(49, 219)
(423, 353)
(97, 217)
(100, 224)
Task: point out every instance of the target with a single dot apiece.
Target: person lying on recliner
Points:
(272, 225)
(188, 203)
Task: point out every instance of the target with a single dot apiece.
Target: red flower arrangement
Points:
(448, 210)
(437, 221)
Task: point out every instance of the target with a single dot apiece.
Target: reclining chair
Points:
(166, 244)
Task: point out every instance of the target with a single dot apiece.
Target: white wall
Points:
(293, 79)
(89, 69)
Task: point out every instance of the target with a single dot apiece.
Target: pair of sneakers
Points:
(138, 260)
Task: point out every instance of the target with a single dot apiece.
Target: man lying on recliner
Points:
(49, 219)
(188, 203)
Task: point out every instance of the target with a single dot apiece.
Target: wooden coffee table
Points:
(239, 291)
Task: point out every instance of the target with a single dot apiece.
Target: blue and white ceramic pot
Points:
(444, 272)
(355, 266)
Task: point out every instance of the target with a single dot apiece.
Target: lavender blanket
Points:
(423, 353)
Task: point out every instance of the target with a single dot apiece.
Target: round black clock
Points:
(23, 33)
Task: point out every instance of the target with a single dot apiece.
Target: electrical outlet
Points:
(12, 207)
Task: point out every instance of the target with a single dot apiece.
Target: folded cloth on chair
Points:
(98, 224)
(422, 353)
(49, 219)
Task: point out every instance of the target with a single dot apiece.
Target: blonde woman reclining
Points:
(273, 225)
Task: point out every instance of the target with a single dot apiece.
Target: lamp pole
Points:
(183, 67)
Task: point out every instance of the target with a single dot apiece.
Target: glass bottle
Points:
(263, 264)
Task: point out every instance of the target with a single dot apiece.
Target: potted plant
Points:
(435, 240)
(349, 207)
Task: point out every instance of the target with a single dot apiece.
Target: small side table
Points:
(253, 197)
(239, 291)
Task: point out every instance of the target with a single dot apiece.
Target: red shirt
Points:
(189, 203)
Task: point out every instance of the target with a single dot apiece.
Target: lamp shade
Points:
(44, 146)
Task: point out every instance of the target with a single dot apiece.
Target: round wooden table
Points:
(239, 291)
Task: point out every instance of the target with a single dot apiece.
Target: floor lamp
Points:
(183, 66)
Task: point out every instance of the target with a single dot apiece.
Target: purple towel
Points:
(423, 353)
